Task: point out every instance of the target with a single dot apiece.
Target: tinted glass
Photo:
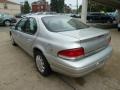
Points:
(62, 23)
(21, 24)
(31, 26)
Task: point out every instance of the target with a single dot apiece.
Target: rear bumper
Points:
(80, 67)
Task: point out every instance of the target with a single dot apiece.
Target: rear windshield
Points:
(62, 23)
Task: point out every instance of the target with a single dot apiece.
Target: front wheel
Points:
(42, 64)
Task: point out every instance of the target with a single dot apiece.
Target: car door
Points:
(94, 18)
(29, 35)
(17, 31)
(97, 18)
(103, 18)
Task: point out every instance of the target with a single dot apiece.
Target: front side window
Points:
(62, 23)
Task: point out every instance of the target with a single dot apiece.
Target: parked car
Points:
(62, 44)
(112, 14)
(75, 16)
(45, 13)
(97, 17)
(19, 15)
(6, 19)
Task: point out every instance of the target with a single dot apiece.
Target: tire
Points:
(7, 23)
(13, 41)
(41, 63)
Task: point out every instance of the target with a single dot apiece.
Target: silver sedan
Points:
(62, 44)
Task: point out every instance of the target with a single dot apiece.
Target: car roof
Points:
(41, 16)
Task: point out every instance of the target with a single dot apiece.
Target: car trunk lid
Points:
(91, 39)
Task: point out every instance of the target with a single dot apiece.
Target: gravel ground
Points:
(18, 71)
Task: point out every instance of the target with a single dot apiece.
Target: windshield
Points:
(62, 23)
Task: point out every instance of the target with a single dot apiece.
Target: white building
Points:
(10, 7)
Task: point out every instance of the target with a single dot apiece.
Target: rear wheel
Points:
(42, 64)
(7, 23)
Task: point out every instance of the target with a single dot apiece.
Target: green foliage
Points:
(80, 8)
(60, 6)
(26, 7)
(53, 5)
(57, 6)
(97, 7)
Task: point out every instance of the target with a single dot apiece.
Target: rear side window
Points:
(62, 23)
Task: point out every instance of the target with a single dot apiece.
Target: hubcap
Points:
(40, 63)
(7, 23)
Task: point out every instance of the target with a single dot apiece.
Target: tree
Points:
(97, 7)
(57, 6)
(26, 7)
(80, 8)
(53, 5)
(60, 6)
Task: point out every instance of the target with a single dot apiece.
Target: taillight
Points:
(72, 53)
